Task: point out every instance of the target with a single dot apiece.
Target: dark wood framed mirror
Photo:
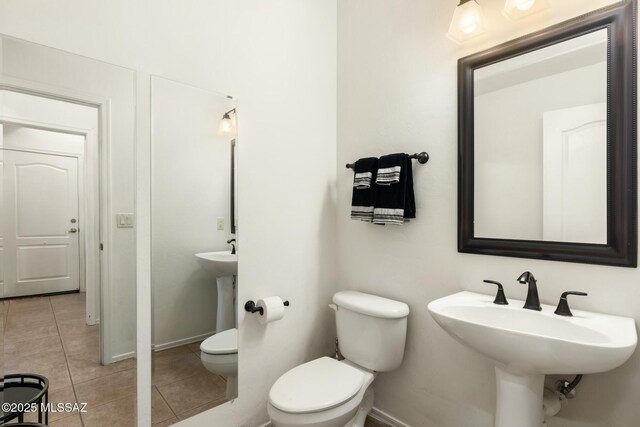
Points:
(547, 143)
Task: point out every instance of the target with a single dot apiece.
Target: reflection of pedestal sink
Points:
(224, 266)
(525, 345)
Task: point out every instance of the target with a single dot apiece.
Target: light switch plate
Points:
(220, 223)
(124, 220)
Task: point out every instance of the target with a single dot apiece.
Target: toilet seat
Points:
(314, 386)
(225, 342)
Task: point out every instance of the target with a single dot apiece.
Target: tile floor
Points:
(372, 422)
(49, 336)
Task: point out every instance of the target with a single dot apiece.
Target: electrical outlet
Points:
(220, 222)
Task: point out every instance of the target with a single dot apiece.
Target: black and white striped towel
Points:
(396, 204)
(362, 180)
(390, 169)
(363, 191)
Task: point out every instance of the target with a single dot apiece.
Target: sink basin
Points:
(525, 345)
(220, 264)
(529, 342)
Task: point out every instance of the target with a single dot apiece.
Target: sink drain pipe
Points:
(554, 400)
(568, 389)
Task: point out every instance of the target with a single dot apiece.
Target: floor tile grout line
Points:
(183, 378)
(106, 375)
(6, 318)
(121, 397)
(66, 359)
(11, 308)
(165, 402)
(221, 400)
(133, 394)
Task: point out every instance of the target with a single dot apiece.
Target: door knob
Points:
(73, 230)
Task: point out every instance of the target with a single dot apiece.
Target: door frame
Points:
(101, 251)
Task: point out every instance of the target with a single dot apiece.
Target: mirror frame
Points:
(621, 247)
(232, 187)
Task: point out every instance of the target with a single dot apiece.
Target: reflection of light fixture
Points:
(227, 124)
(516, 9)
(467, 21)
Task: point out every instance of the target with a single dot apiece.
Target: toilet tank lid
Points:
(371, 305)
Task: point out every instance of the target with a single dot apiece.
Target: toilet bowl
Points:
(341, 395)
(326, 392)
(219, 354)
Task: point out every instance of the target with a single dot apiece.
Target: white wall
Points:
(397, 92)
(512, 208)
(190, 190)
(57, 69)
(279, 59)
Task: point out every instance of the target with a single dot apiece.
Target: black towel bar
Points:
(422, 159)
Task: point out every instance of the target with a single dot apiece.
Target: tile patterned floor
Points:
(372, 422)
(49, 336)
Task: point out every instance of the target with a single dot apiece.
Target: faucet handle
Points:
(563, 305)
(500, 298)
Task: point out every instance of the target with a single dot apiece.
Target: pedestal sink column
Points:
(226, 315)
(518, 399)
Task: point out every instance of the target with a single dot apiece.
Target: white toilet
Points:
(330, 393)
(219, 354)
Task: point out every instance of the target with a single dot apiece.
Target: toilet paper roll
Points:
(551, 404)
(273, 309)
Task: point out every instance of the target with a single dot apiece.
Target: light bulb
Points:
(468, 27)
(516, 9)
(226, 126)
(525, 5)
(467, 21)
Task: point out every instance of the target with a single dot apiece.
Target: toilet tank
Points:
(372, 330)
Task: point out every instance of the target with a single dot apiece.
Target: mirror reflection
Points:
(194, 253)
(540, 126)
(67, 243)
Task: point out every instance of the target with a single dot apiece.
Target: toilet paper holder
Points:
(251, 307)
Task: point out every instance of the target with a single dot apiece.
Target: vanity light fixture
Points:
(227, 124)
(467, 21)
(517, 9)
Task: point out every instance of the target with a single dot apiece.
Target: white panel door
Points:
(575, 174)
(40, 223)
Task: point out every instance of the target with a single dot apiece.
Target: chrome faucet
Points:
(532, 302)
(233, 245)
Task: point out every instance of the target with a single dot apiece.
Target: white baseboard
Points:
(123, 356)
(178, 343)
(377, 415)
(383, 417)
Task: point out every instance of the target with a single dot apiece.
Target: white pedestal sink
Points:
(223, 265)
(526, 345)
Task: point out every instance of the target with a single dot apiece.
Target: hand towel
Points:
(395, 204)
(364, 171)
(390, 168)
(363, 190)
